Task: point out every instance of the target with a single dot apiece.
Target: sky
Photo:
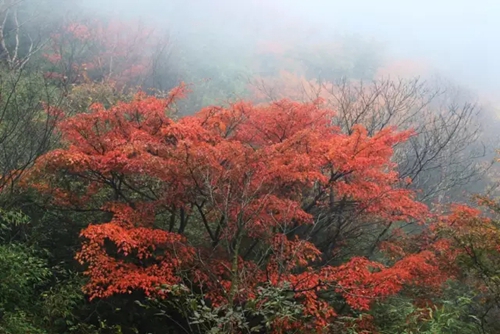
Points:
(461, 37)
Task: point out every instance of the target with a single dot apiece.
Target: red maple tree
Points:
(471, 238)
(225, 201)
(116, 52)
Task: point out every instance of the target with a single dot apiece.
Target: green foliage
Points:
(10, 221)
(400, 315)
(273, 304)
(35, 298)
(19, 323)
(26, 127)
(21, 272)
(60, 302)
(83, 96)
(451, 317)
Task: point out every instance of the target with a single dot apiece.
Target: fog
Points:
(459, 38)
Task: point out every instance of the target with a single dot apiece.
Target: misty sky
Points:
(459, 37)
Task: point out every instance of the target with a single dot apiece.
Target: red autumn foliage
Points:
(115, 52)
(471, 241)
(215, 199)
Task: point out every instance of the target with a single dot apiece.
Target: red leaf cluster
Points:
(115, 52)
(215, 199)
